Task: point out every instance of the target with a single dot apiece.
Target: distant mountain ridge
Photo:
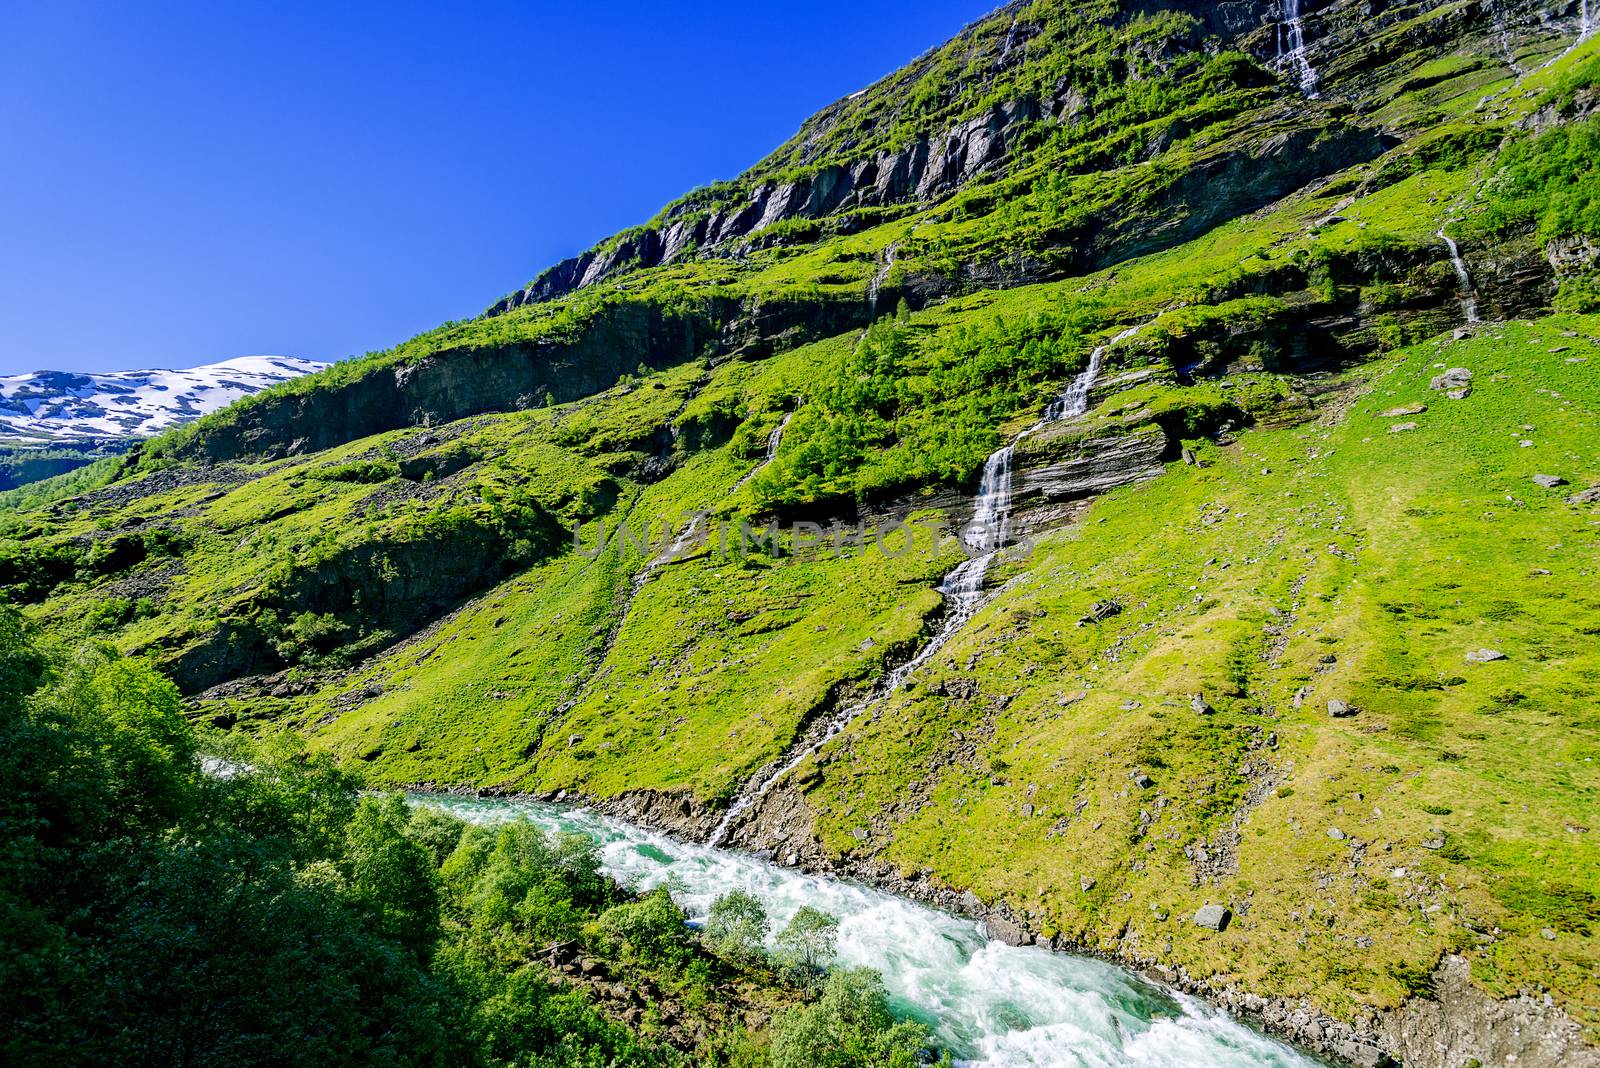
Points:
(72, 406)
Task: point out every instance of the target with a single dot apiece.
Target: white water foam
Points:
(990, 1005)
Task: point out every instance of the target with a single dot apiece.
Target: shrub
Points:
(736, 926)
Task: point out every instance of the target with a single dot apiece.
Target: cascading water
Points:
(1504, 31)
(988, 1004)
(962, 587)
(1469, 293)
(1292, 32)
(687, 536)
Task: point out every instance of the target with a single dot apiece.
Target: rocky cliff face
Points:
(1355, 46)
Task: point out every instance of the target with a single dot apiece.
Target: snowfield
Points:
(117, 404)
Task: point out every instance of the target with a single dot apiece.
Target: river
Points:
(991, 1005)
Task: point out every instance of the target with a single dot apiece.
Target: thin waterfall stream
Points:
(988, 1004)
(962, 587)
(685, 539)
(1293, 33)
(1469, 292)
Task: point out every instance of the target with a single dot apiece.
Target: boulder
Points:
(1401, 428)
(1005, 930)
(1200, 705)
(1485, 656)
(1404, 409)
(1213, 917)
(1454, 379)
(1101, 611)
(1549, 481)
(1339, 709)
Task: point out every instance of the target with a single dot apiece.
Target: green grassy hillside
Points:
(1279, 514)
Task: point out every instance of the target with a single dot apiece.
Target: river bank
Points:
(991, 1004)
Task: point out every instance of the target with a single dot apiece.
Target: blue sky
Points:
(182, 183)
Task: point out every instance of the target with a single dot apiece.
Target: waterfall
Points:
(1293, 31)
(1469, 295)
(991, 517)
(962, 586)
(880, 276)
(686, 537)
(1504, 31)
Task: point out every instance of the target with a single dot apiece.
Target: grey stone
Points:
(1401, 428)
(1213, 917)
(1485, 656)
(1339, 709)
(1549, 481)
(1404, 409)
(1200, 705)
(1143, 781)
(1336, 834)
(1588, 496)
(1453, 379)
(1101, 611)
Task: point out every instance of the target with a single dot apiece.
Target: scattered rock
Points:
(574, 739)
(1434, 841)
(1101, 611)
(1457, 378)
(1143, 781)
(1549, 481)
(1027, 811)
(1588, 496)
(1339, 709)
(1213, 917)
(1200, 705)
(1548, 934)
(1401, 428)
(1086, 883)
(1485, 656)
(1404, 409)
(1336, 834)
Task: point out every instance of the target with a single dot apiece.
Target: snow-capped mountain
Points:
(65, 405)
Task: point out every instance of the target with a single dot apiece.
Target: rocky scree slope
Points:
(1223, 658)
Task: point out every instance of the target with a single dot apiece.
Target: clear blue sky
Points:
(185, 182)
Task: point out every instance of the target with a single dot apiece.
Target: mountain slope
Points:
(66, 405)
(1222, 655)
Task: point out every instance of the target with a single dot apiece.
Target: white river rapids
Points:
(989, 1004)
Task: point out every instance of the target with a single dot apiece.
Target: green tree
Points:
(850, 1026)
(808, 943)
(736, 927)
(650, 930)
(392, 879)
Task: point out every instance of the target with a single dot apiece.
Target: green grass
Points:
(1389, 555)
